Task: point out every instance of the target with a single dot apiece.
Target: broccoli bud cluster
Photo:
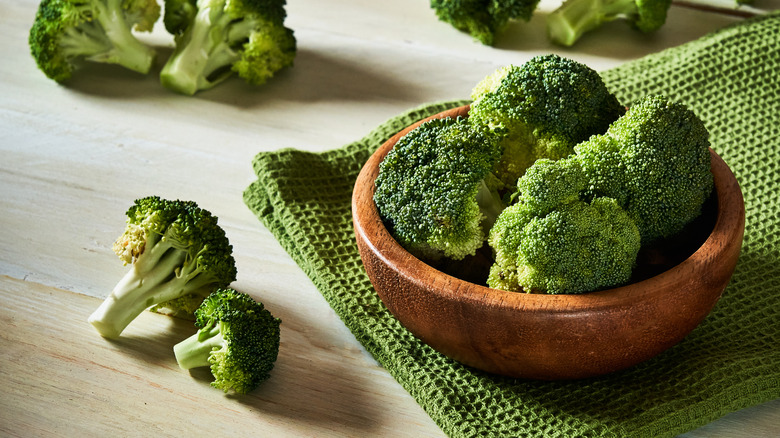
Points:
(577, 184)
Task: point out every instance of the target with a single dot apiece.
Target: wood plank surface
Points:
(75, 156)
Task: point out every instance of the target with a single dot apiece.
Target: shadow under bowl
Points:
(542, 336)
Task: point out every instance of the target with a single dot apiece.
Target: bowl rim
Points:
(727, 231)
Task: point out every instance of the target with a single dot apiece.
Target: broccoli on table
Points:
(483, 19)
(542, 109)
(655, 162)
(551, 241)
(178, 255)
(65, 32)
(435, 189)
(237, 338)
(218, 38)
(574, 18)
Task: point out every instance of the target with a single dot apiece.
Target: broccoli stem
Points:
(194, 351)
(125, 49)
(490, 204)
(202, 57)
(576, 17)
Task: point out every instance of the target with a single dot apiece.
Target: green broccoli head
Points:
(66, 32)
(178, 255)
(551, 241)
(542, 109)
(218, 38)
(575, 248)
(574, 18)
(237, 338)
(655, 162)
(547, 184)
(483, 19)
(434, 189)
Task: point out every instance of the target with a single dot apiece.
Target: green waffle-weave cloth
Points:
(731, 79)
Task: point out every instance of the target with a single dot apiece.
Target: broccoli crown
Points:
(542, 108)
(549, 183)
(237, 338)
(483, 19)
(431, 184)
(217, 38)
(179, 254)
(575, 248)
(655, 162)
(551, 241)
(65, 32)
(574, 18)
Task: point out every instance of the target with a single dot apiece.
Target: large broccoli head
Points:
(543, 109)
(67, 32)
(434, 188)
(550, 241)
(655, 162)
(238, 338)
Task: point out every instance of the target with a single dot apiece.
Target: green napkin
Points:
(731, 79)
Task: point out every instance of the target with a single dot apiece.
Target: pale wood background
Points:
(74, 158)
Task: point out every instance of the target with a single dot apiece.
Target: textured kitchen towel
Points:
(731, 78)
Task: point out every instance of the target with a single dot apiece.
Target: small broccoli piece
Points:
(217, 38)
(435, 190)
(655, 162)
(574, 18)
(483, 19)
(551, 241)
(65, 32)
(179, 254)
(543, 109)
(237, 338)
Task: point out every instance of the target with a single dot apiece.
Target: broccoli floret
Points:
(483, 19)
(65, 32)
(551, 241)
(217, 38)
(179, 254)
(655, 162)
(574, 18)
(435, 190)
(237, 337)
(543, 109)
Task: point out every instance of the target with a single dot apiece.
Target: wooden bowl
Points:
(542, 336)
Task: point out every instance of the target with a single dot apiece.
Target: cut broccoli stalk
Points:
(574, 18)
(114, 43)
(194, 351)
(203, 56)
(160, 274)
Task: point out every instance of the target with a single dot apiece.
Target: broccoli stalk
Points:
(95, 30)
(179, 254)
(194, 351)
(574, 18)
(216, 38)
(237, 338)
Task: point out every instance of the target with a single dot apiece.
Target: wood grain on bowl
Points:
(548, 336)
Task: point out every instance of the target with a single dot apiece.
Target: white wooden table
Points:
(74, 158)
